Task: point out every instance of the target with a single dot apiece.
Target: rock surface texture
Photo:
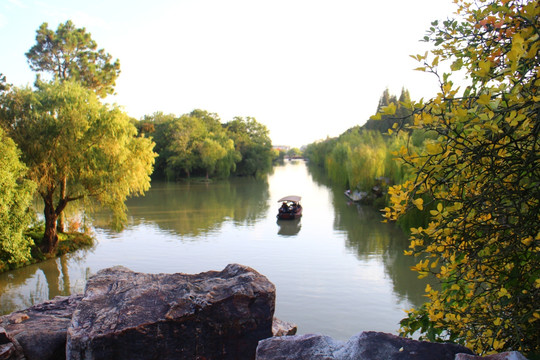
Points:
(208, 316)
(364, 346)
(510, 355)
(211, 315)
(39, 332)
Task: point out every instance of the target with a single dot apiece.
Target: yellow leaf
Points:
(503, 292)
(484, 99)
(419, 203)
(390, 109)
(433, 148)
(447, 87)
(376, 117)
(527, 241)
(484, 66)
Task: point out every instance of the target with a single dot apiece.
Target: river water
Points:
(338, 270)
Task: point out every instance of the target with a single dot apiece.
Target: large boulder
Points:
(510, 355)
(365, 346)
(39, 332)
(211, 315)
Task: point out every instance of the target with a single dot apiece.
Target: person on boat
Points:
(284, 208)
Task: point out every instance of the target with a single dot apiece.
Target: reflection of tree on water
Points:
(367, 236)
(36, 283)
(289, 227)
(192, 209)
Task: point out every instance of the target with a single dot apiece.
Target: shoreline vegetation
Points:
(464, 163)
(68, 242)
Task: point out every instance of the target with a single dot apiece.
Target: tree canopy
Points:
(15, 198)
(252, 141)
(70, 53)
(198, 144)
(75, 148)
(480, 175)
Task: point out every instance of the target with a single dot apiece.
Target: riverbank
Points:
(68, 242)
(356, 261)
(125, 315)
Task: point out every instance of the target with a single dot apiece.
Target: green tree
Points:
(15, 198)
(185, 134)
(210, 152)
(159, 124)
(76, 149)
(481, 174)
(3, 84)
(70, 53)
(336, 164)
(252, 141)
(390, 112)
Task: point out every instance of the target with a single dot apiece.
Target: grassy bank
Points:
(68, 242)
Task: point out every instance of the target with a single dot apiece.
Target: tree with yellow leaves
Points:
(480, 176)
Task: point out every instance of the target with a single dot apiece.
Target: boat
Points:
(290, 208)
(355, 196)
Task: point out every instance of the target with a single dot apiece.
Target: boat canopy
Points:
(293, 198)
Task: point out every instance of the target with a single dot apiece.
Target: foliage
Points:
(481, 173)
(3, 84)
(15, 198)
(252, 141)
(293, 152)
(399, 114)
(359, 157)
(70, 53)
(76, 149)
(68, 242)
(198, 144)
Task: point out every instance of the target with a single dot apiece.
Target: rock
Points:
(39, 332)
(366, 346)
(211, 315)
(9, 347)
(510, 355)
(283, 328)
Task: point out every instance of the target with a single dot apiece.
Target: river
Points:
(338, 270)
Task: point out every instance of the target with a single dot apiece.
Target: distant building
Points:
(281, 147)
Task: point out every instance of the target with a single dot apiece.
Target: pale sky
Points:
(307, 69)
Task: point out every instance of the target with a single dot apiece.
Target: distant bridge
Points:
(294, 157)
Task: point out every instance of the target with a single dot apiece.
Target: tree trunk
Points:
(50, 237)
(60, 221)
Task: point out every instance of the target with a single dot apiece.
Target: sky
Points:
(306, 69)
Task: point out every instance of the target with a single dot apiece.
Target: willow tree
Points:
(76, 148)
(71, 53)
(481, 175)
(15, 197)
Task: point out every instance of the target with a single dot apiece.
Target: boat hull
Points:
(289, 215)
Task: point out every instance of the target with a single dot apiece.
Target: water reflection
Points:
(289, 227)
(368, 236)
(45, 280)
(196, 209)
(337, 270)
